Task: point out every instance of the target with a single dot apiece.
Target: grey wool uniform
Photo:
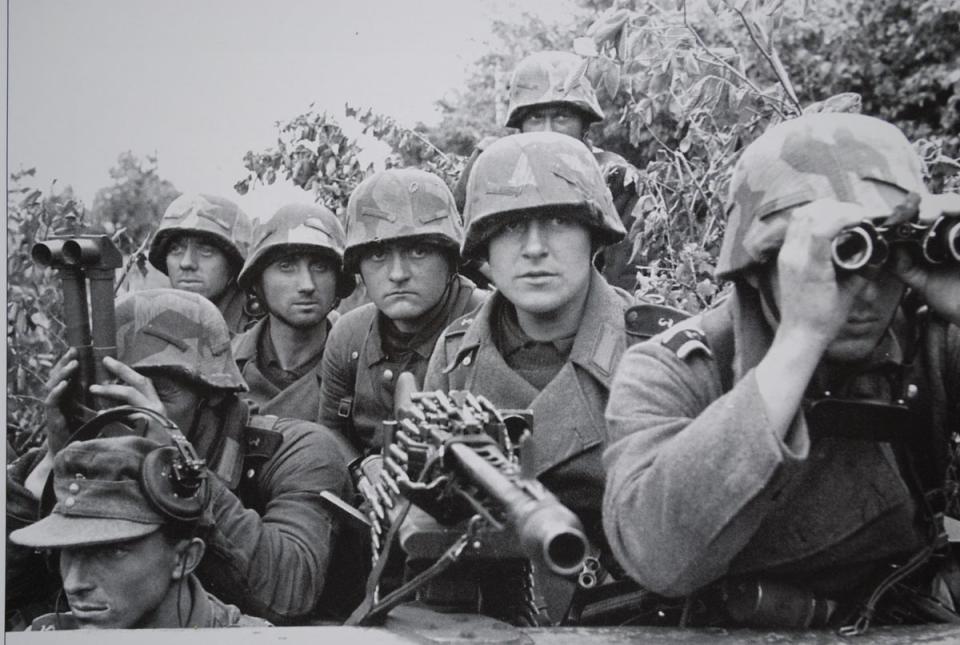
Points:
(359, 372)
(569, 431)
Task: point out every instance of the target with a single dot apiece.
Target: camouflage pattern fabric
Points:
(551, 77)
(811, 157)
(297, 228)
(180, 332)
(532, 171)
(214, 218)
(400, 203)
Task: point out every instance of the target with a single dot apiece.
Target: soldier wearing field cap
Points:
(125, 562)
(295, 270)
(275, 549)
(549, 91)
(200, 245)
(779, 457)
(403, 238)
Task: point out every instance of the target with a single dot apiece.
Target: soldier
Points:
(778, 446)
(550, 92)
(551, 335)
(274, 548)
(295, 270)
(126, 563)
(403, 238)
(200, 245)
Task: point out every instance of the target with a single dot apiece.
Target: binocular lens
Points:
(852, 249)
(942, 242)
(42, 254)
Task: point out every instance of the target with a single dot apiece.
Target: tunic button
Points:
(354, 355)
(74, 487)
(467, 360)
(387, 375)
(912, 391)
(69, 502)
(251, 473)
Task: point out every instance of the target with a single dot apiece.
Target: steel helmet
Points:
(297, 228)
(537, 170)
(551, 77)
(216, 219)
(176, 332)
(400, 203)
(812, 157)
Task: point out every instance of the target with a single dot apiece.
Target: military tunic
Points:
(568, 426)
(300, 400)
(699, 487)
(275, 549)
(359, 376)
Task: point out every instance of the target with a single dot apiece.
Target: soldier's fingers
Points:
(60, 373)
(52, 400)
(933, 206)
(130, 376)
(123, 393)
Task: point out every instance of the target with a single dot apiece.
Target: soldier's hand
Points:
(814, 300)
(55, 386)
(133, 388)
(938, 285)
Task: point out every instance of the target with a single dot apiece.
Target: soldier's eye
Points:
(319, 267)
(176, 248)
(419, 251)
(515, 226)
(377, 255)
(206, 250)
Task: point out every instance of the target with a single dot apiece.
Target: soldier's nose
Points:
(73, 570)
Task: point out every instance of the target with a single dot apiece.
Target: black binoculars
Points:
(869, 243)
(86, 264)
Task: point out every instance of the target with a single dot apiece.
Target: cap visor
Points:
(58, 531)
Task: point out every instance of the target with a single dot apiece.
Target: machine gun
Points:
(458, 459)
(86, 263)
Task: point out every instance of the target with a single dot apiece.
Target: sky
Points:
(200, 82)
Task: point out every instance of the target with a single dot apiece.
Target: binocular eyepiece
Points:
(78, 251)
(869, 245)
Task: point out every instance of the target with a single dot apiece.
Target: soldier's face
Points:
(541, 264)
(180, 399)
(300, 290)
(405, 280)
(554, 118)
(123, 585)
(195, 265)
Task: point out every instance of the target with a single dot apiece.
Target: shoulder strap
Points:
(261, 439)
(646, 320)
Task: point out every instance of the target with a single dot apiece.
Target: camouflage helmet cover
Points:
(400, 203)
(217, 219)
(551, 77)
(178, 332)
(297, 228)
(817, 156)
(533, 171)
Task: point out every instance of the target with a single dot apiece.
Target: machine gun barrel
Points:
(550, 534)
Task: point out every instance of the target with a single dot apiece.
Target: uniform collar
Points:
(597, 346)
(373, 351)
(245, 344)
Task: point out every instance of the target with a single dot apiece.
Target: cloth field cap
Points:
(99, 496)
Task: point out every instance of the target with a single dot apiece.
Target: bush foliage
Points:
(685, 85)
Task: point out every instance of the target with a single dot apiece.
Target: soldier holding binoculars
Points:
(792, 443)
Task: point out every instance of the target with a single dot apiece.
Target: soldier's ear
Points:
(189, 553)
